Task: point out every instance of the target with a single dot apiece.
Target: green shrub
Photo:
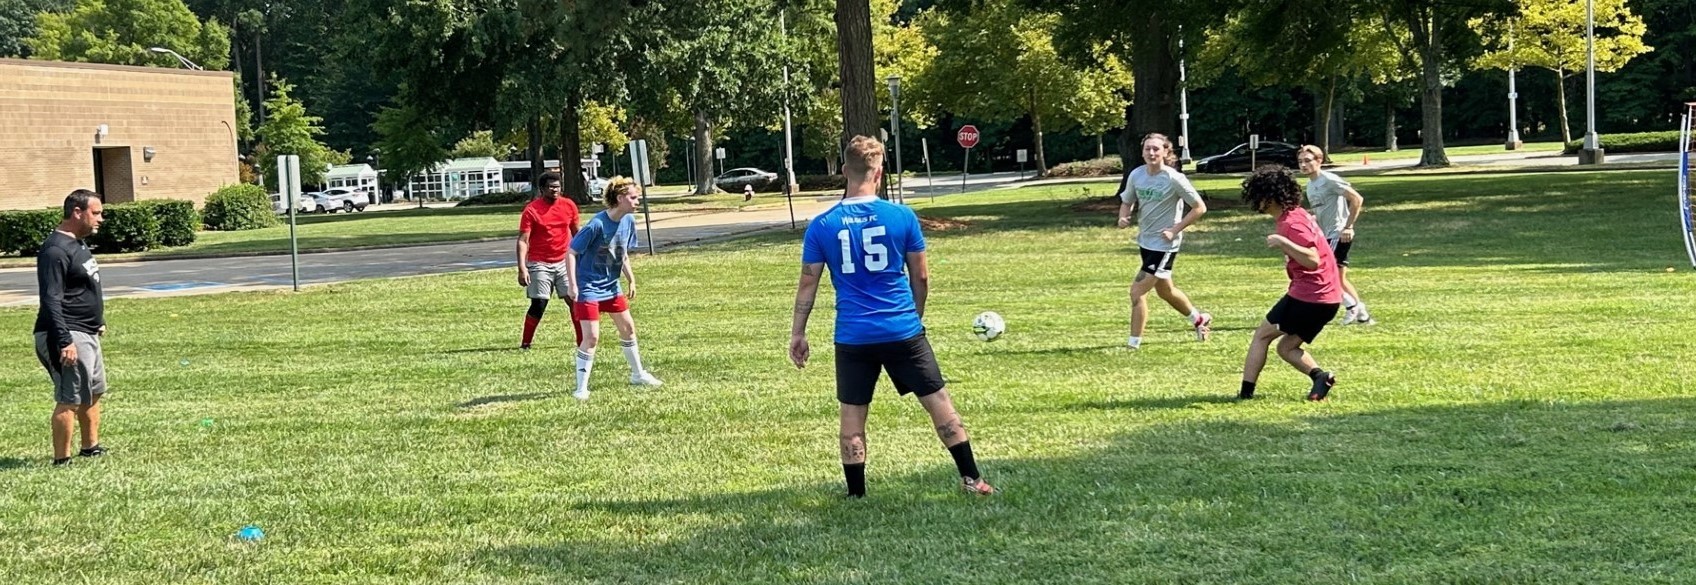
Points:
(178, 220)
(497, 198)
(23, 231)
(1640, 142)
(129, 227)
(1102, 167)
(239, 207)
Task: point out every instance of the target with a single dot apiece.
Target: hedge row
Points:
(128, 227)
(1111, 166)
(497, 198)
(1623, 143)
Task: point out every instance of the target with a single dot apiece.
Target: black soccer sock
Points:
(963, 460)
(856, 474)
(1247, 391)
(538, 307)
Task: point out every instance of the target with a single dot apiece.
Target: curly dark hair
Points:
(1271, 184)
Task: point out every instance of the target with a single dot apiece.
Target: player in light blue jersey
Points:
(875, 253)
(599, 254)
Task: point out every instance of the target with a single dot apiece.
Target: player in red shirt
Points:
(1315, 293)
(545, 230)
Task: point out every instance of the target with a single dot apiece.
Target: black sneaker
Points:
(1322, 385)
(94, 451)
(65, 461)
(1245, 395)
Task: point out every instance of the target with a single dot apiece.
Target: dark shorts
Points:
(1157, 263)
(79, 383)
(910, 362)
(1340, 250)
(1301, 318)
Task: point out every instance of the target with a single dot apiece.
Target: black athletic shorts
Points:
(1301, 318)
(1340, 250)
(910, 362)
(1157, 263)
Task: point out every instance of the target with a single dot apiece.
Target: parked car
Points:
(303, 205)
(1237, 159)
(735, 179)
(596, 185)
(333, 200)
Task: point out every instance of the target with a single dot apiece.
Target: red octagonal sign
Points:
(968, 136)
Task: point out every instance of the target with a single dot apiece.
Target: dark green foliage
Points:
(1640, 142)
(239, 207)
(498, 198)
(128, 228)
(23, 231)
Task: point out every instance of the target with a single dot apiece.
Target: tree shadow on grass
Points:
(13, 463)
(1492, 492)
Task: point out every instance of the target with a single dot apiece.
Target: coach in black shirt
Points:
(69, 325)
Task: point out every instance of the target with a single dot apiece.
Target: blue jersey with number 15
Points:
(864, 242)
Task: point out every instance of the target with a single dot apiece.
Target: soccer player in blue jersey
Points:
(600, 252)
(876, 256)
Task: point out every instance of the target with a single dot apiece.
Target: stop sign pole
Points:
(968, 138)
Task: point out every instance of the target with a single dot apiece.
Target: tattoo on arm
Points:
(804, 306)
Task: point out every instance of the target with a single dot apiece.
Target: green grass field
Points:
(1520, 414)
(1353, 155)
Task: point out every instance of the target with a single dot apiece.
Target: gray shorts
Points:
(547, 279)
(77, 384)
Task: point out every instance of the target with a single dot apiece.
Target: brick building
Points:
(128, 132)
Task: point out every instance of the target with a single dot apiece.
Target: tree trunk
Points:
(1390, 125)
(1101, 145)
(571, 148)
(1156, 72)
(830, 165)
(704, 156)
(1036, 127)
(1325, 129)
(1560, 95)
(854, 52)
(1431, 97)
(259, 74)
(533, 133)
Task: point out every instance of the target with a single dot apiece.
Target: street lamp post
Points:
(181, 59)
(1592, 153)
(788, 131)
(376, 165)
(895, 130)
(1514, 142)
(1183, 105)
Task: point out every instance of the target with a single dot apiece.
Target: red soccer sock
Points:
(530, 324)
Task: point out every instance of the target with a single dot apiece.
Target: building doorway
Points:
(114, 175)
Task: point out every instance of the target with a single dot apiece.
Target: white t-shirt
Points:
(1328, 195)
(1162, 198)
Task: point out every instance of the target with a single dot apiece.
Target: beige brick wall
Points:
(49, 112)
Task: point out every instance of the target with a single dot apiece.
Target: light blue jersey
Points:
(601, 247)
(864, 241)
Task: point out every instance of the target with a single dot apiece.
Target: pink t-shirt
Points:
(1317, 285)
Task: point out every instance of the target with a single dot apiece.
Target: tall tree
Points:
(121, 32)
(1551, 34)
(999, 63)
(411, 140)
(290, 130)
(17, 23)
(1439, 35)
(859, 80)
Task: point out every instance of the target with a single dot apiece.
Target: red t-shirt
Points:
(551, 225)
(1317, 285)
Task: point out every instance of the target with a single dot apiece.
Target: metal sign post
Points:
(930, 180)
(1253, 150)
(644, 177)
(288, 181)
(719, 153)
(1023, 156)
(967, 137)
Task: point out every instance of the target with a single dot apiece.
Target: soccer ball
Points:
(988, 326)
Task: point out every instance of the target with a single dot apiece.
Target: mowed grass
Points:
(341, 231)
(1520, 414)
(1413, 151)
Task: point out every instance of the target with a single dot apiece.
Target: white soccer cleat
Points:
(1203, 326)
(580, 395)
(1351, 315)
(1133, 342)
(645, 379)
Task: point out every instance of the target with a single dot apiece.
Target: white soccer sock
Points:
(1195, 313)
(1349, 302)
(585, 362)
(632, 356)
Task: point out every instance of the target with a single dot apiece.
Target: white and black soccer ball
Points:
(988, 326)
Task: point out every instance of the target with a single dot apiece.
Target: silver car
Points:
(339, 199)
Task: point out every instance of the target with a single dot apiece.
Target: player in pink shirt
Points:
(1315, 293)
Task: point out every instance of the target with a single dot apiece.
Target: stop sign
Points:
(968, 136)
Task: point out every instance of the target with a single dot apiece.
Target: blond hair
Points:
(1318, 155)
(615, 187)
(1171, 158)
(861, 156)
